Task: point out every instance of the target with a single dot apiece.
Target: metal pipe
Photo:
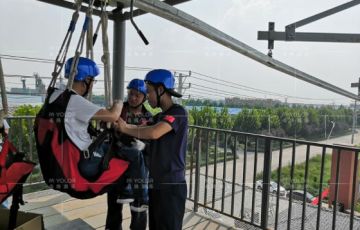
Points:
(119, 54)
(266, 184)
(324, 14)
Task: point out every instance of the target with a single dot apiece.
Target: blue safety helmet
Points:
(162, 77)
(138, 85)
(85, 68)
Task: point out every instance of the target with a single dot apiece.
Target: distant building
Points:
(39, 87)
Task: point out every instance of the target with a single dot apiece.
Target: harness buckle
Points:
(86, 154)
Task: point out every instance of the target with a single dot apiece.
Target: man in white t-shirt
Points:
(80, 111)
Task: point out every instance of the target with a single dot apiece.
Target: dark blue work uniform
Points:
(114, 213)
(167, 185)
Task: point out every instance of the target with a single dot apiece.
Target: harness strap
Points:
(106, 56)
(16, 201)
(61, 57)
(80, 46)
(89, 41)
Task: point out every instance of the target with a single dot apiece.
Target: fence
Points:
(239, 175)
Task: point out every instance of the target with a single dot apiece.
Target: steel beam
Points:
(309, 37)
(324, 14)
(140, 12)
(69, 5)
(126, 15)
(181, 18)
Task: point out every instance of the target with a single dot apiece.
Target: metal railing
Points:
(225, 169)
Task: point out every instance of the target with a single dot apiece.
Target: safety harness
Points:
(14, 170)
(59, 157)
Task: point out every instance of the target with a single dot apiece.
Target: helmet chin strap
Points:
(158, 95)
(87, 89)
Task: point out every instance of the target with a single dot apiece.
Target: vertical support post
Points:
(270, 41)
(266, 184)
(197, 172)
(119, 53)
(3, 90)
(353, 125)
(353, 85)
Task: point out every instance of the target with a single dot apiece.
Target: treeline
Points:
(235, 102)
(299, 122)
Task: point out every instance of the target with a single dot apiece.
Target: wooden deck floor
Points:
(59, 209)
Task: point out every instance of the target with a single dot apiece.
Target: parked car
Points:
(299, 194)
(272, 188)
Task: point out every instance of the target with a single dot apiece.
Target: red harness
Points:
(59, 156)
(14, 170)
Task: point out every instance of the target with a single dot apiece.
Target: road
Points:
(207, 188)
(300, 156)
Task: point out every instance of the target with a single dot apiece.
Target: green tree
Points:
(224, 120)
(21, 129)
(247, 121)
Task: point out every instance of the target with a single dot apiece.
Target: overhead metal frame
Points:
(125, 16)
(179, 17)
(291, 35)
(119, 17)
(166, 11)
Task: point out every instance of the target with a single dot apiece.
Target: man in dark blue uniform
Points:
(167, 194)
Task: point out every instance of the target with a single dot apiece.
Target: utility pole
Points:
(353, 85)
(181, 89)
(180, 85)
(3, 90)
(325, 126)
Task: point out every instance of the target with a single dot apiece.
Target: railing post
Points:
(197, 171)
(266, 184)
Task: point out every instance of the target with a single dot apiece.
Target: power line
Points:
(206, 89)
(51, 61)
(199, 76)
(251, 89)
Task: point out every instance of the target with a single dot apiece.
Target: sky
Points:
(35, 29)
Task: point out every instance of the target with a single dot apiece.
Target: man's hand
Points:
(120, 125)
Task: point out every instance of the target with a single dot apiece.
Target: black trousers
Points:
(114, 214)
(167, 206)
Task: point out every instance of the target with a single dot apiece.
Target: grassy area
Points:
(313, 181)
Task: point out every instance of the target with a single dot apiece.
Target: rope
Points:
(106, 56)
(79, 49)
(89, 40)
(61, 57)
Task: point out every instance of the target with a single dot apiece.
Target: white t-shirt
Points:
(6, 126)
(77, 116)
